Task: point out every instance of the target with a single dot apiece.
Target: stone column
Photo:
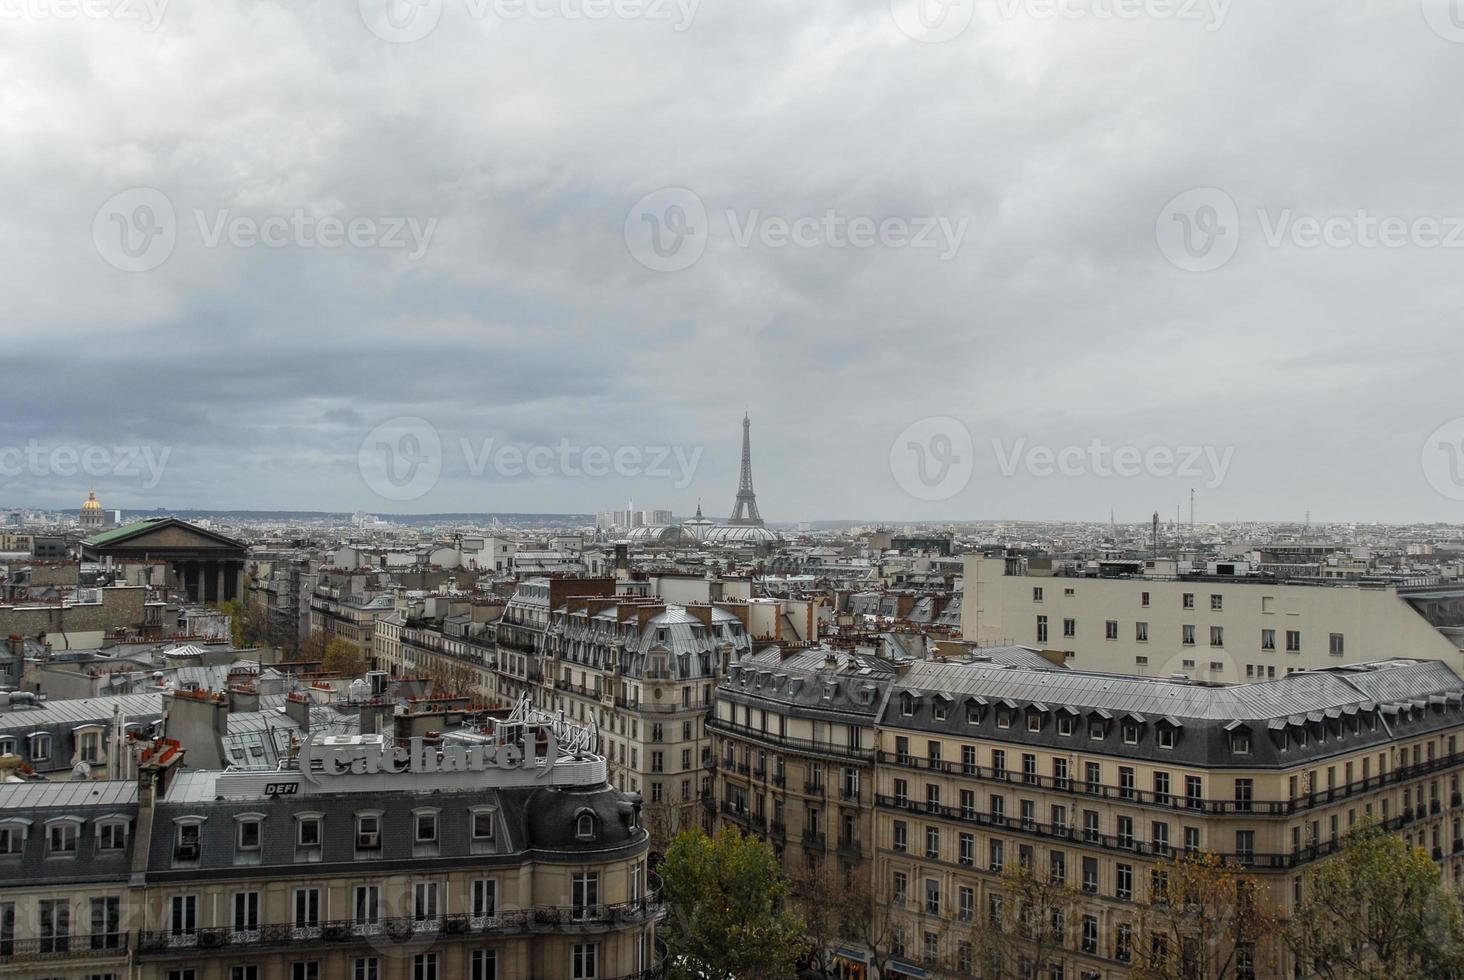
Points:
(219, 596)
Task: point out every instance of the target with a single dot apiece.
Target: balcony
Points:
(814, 789)
(63, 948)
(848, 845)
(812, 839)
(386, 931)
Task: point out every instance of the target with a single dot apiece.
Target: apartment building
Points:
(338, 611)
(1094, 779)
(1143, 618)
(644, 671)
(400, 869)
(794, 739)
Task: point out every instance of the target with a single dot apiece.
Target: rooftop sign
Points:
(318, 760)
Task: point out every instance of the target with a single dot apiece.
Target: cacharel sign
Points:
(419, 757)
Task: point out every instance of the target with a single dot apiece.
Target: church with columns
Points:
(207, 566)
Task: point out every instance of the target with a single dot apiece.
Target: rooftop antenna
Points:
(1192, 509)
(1156, 534)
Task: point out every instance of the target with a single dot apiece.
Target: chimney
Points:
(702, 613)
(297, 709)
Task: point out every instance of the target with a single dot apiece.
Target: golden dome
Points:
(91, 502)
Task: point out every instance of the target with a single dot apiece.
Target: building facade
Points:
(1227, 629)
(531, 865)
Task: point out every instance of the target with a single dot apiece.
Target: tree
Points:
(1215, 916)
(1025, 929)
(342, 657)
(729, 918)
(1377, 909)
(312, 649)
(837, 905)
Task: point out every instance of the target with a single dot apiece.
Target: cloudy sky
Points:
(957, 258)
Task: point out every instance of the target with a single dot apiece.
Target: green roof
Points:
(120, 532)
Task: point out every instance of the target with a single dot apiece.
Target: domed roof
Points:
(91, 502)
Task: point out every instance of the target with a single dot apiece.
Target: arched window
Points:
(584, 827)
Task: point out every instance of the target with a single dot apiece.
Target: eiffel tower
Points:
(745, 514)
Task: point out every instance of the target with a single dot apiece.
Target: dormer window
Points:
(186, 840)
(1003, 718)
(1240, 743)
(907, 705)
(1034, 721)
(250, 832)
(584, 826)
(368, 832)
(1130, 733)
(40, 747)
(308, 830)
(7, 745)
(483, 824)
(1064, 724)
(1166, 738)
(111, 835)
(425, 822)
(61, 835)
(938, 710)
(12, 836)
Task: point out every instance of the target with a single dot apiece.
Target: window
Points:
(1217, 636)
(485, 898)
(1293, 641)
(1130, 733)
(1192, 840)
(246, 911)
(1141, 632)
(307, 908)
(1160, 837)
(425, 967)
(1166, 737)
(1036, 593)
(366, 968)
(997, 856)
(305, 970)
(1069, 627)
(185, 842)
(1194, 791)
(424, 901)
(484, 965)
(1126, 782)
(249, 834)
(965, 903)
(1334, 644)
(12, 836)
(61, 838)
(1124, 883)
(967, 850)
(1090, 934)
(901, 839)
(1125, 835)
(1217, 602)
(1268, 639)
(1110, 630)
(932, 843)
(1244, 794)
(1245, 845)
(368, 832)
(40, 747)
(899, 890)
(1041, 630)
(932, 896)
(183, 915)
(246, 971)
(55, 925)
(585, 826)
(1090, 875)
(426, 826)
(585, 893)
(1143, 598)
(1187, 635)
(584, 963)
(307, 831)
(1187, 601)
(106, 923)
(1123, 943)
(367, 904)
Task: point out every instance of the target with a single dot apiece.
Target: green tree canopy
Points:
(728, 920)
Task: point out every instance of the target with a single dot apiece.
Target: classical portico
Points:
(207, 566)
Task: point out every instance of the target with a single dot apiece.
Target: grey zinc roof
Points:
(79, 711)
(1299, 693)
(66, 794)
